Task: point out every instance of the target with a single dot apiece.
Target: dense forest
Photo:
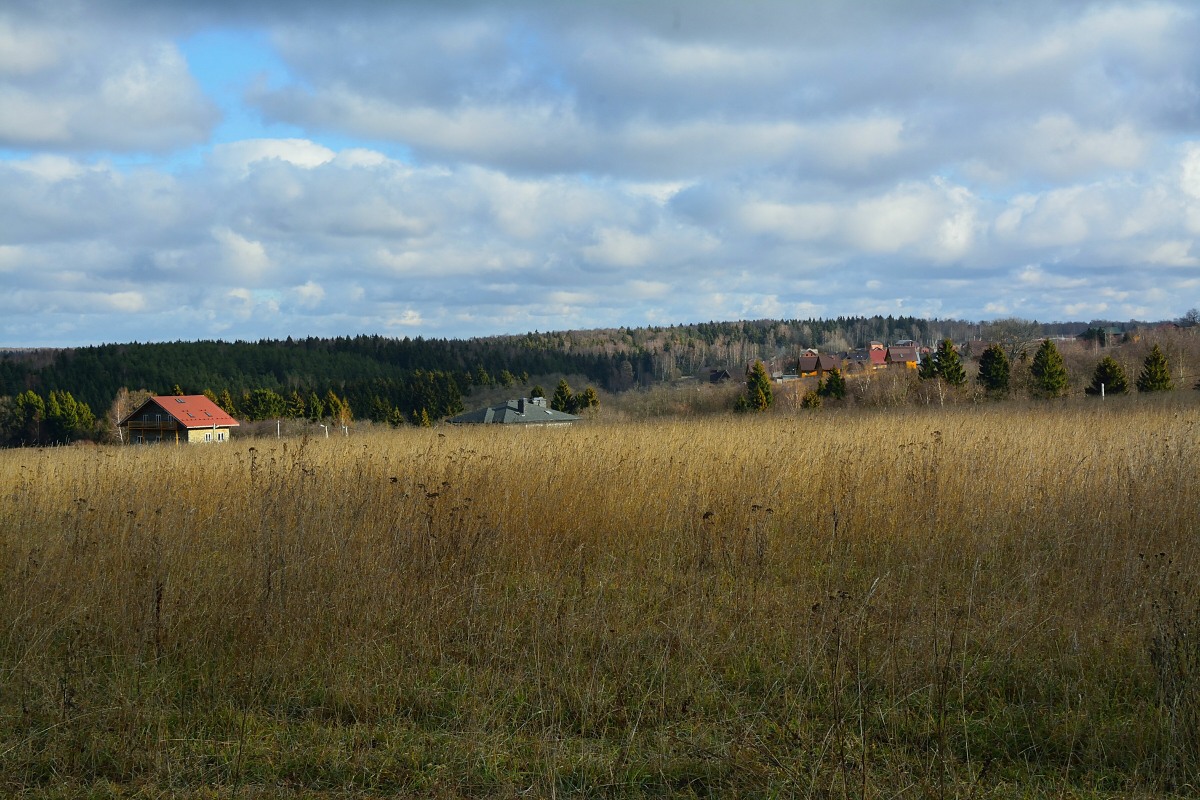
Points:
(414, 379)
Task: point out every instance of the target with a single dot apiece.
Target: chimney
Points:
(521, 406)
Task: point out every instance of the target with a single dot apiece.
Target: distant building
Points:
(812, 363)
(906, 355)
(526, 411)
(190, 418)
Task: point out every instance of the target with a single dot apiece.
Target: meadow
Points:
(985, 601)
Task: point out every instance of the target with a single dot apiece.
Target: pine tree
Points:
(759, 396)
(1156, 374)
(28, 412)
(225, 401)
(1110, 375)
(1049, 374)
(316, 409)
(563, 399)
(588, 399)
(948, 364)
(994, 370)
(833, 386)
(295, 406)
(927, 370)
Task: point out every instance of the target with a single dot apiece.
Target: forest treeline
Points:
(413, 379)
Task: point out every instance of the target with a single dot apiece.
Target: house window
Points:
(220, 436)
(208, 436)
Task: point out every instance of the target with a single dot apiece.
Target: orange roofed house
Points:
(190, 418)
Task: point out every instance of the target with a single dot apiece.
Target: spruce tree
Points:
(927, 370)
(994, 370)
(1048, 371)
(587, 399)
(316, 409)
(948, 364)
(563, 399)
(1111, 375)
(833, 386)
(1156, 374)
(759, 396)
(225, 401)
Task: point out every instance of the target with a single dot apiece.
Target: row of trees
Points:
(567, 401)
(1046, 376)
(1047, 371)
(31, 419)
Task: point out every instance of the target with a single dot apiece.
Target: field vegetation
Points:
(993, 600)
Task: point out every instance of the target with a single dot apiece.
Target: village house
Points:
(905, 355)
(187, 418)
(525, 411)
(817, 364)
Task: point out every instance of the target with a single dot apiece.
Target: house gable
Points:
(189, 418)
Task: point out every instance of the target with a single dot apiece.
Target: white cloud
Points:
(308, 294)
(25, 50)
(462, 169)
(245, 258)
(79, 86)
(1189, 178)
(620, 248)
(238, 157)
(408, 318)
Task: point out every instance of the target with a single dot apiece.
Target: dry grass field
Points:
(995, 601)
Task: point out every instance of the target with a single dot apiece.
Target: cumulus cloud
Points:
(466, 169)
(79, 87)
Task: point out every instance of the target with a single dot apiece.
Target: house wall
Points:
(135, 434)
(207, 435)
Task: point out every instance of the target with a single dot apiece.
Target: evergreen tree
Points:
(295, 405)
(994, 370)
(1156, 374)
(588, 399)
(28, 411)
(316, 409)
(67, 419)
(1111, 375)
(759, 396)
(225, 401)
(948, 364)
(1048, 371)
(264, 404)
(927, 370)
(537, 391)
(563, 400)
(833, 386)
(333, 405)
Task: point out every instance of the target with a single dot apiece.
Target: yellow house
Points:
(190, 418)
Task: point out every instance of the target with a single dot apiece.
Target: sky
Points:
(248, 170)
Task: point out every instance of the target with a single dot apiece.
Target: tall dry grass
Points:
(932, 602)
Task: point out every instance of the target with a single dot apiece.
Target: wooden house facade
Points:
(186, 419)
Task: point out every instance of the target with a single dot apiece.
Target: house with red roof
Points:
(186, 418)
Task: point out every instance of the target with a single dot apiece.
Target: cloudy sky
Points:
(249, 170)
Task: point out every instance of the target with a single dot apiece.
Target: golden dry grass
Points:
(995, 601)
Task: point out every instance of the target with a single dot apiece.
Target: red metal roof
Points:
(191, 411)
